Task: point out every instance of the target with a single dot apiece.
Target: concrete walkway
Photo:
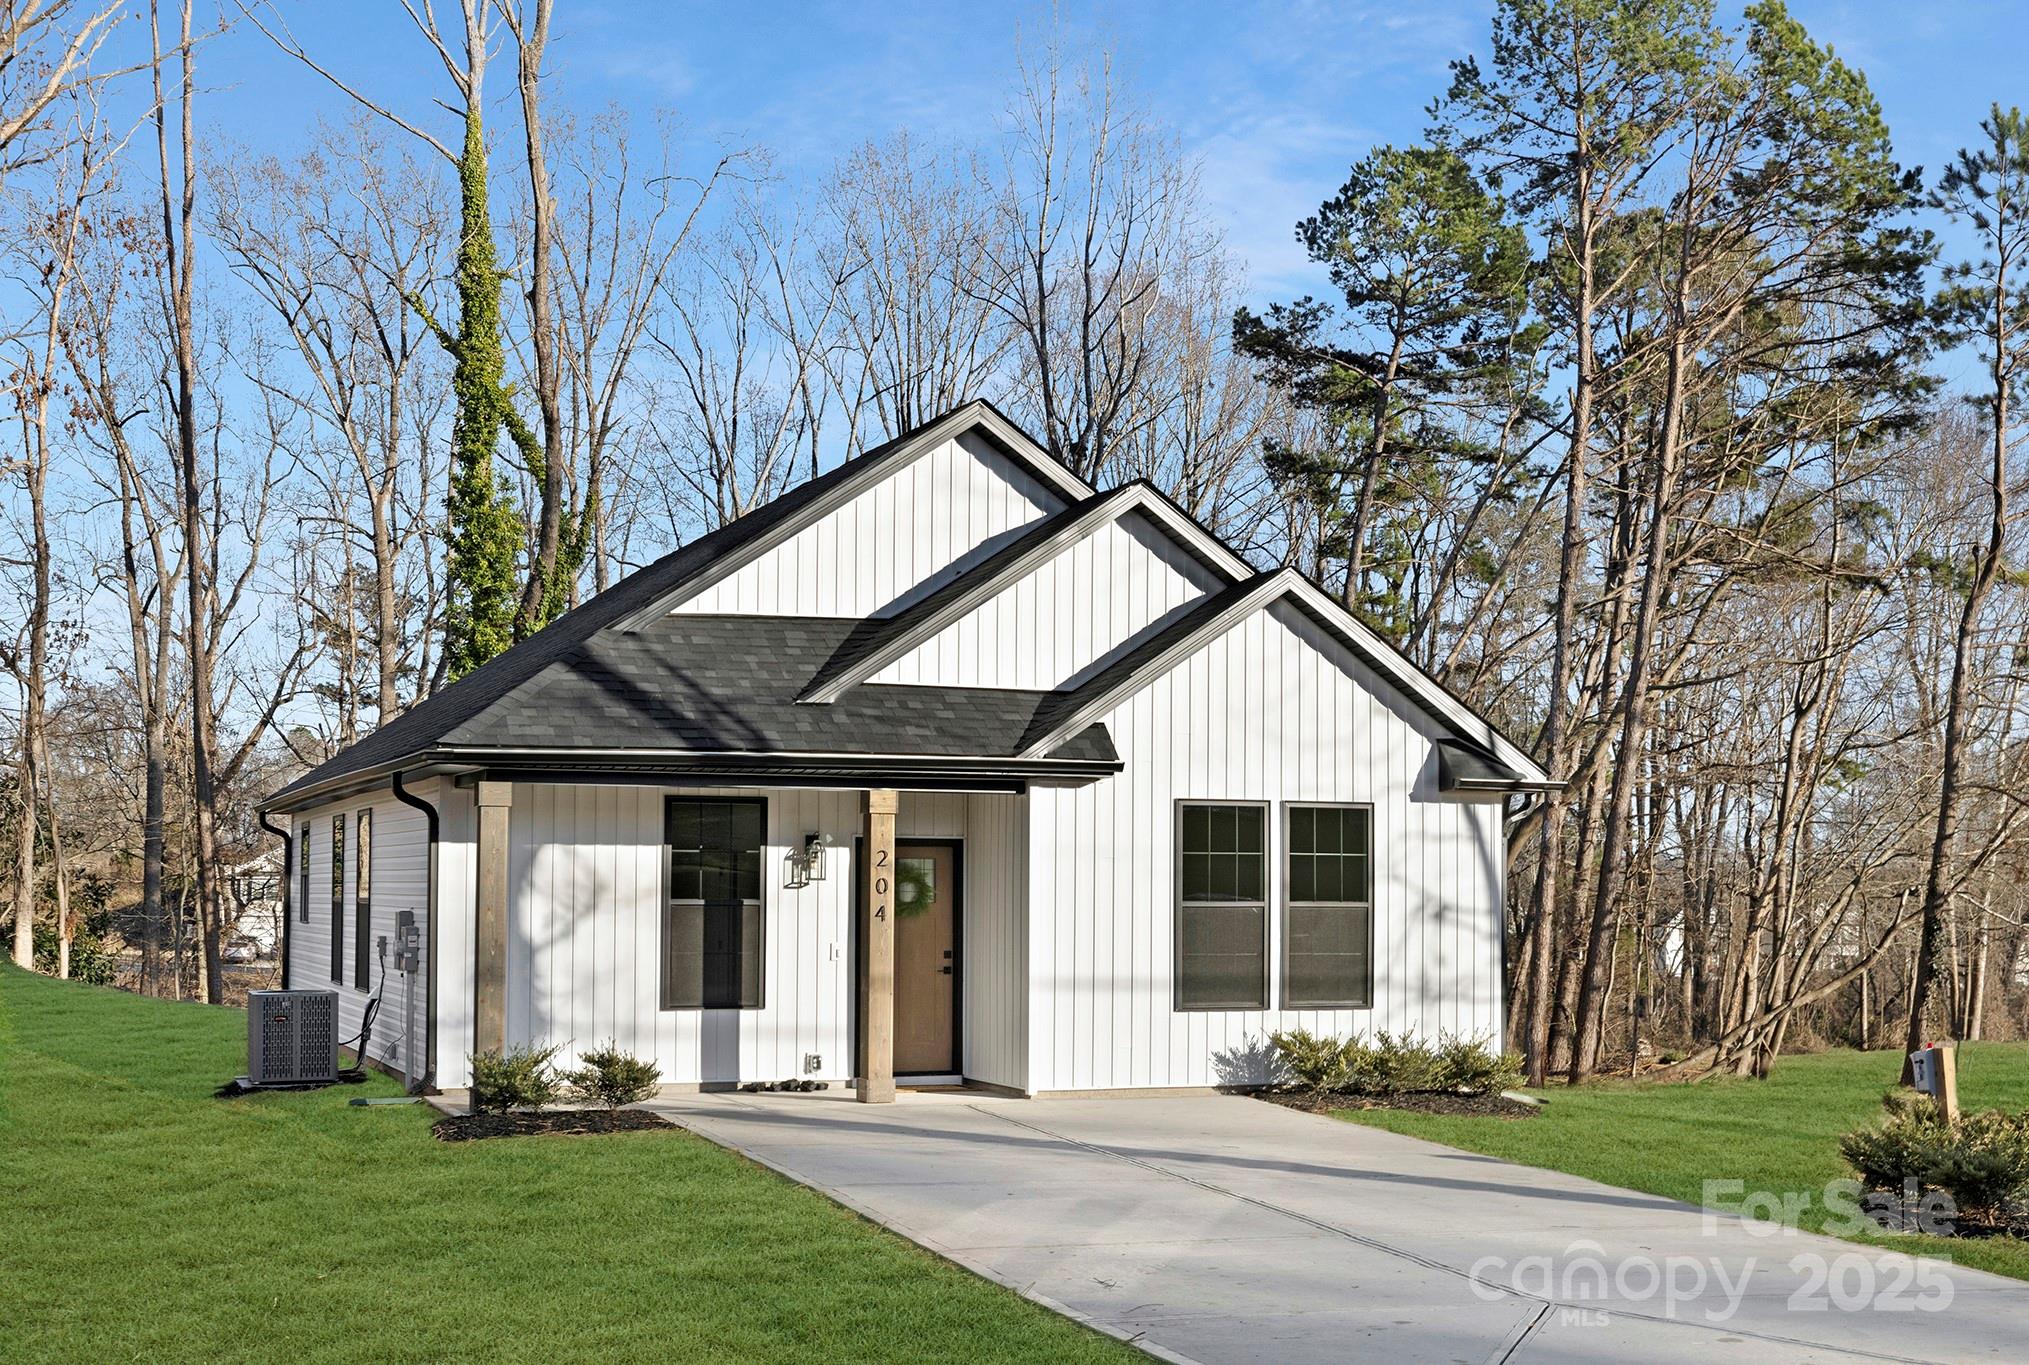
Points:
(1225, 1229)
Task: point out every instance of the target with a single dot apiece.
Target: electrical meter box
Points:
(408, 942)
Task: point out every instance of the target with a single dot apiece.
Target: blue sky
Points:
(1274, 99)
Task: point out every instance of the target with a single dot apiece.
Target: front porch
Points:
(873, 936)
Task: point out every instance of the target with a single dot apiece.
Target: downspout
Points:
(409, 798)
(1530, 800)
(288, 885)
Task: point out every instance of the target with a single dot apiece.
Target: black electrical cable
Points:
(357, 1071)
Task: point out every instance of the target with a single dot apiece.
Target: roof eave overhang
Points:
(413, 767)
(1477, 790)
(651, 767)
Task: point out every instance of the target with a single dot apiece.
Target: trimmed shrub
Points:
(519, 1078)
(1319, 1065)
(1397, 1066)
(1898, 1149)
(609, 1077)
(1982, 1161)
(1391, 1065)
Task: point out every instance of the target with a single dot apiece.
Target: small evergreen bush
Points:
(610, 1077)
(1472, 1067)
(519, 1078)
(1392, 1065)
(1318, 1065)
(1982, 1161)
(1398, 1066)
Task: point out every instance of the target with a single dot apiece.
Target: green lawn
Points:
(1777, 1135)
(141, 1218)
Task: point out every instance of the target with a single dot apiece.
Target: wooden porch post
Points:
(877, 983)
(489, 1018)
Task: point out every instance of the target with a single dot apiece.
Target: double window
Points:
(1222, 906)
(711, 923)
(338, 899)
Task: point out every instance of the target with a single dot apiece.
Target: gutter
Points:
(288, 885)
(430, 816)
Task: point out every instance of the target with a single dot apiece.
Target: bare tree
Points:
(1099, 211)
(336, 245)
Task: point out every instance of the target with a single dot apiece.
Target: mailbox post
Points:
(1935, 1072)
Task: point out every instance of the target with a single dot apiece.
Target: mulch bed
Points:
(530, 1123)
(1470, 1106)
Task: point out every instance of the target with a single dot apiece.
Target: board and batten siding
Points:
(903, 534)
(401, 860)
(585, 879)
(1053, 624)
(1272, 711)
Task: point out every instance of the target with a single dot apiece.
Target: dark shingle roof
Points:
(431, 721)
(728, 684)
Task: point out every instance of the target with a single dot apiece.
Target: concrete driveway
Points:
(1225, 1229)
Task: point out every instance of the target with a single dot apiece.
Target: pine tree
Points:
(1984, 304)
(1434, 280)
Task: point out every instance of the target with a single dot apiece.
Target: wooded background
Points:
(1617, 406)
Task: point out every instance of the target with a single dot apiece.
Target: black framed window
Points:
(712, 920)
(1222, 906)
(338, 899)
(1328, 933)
(362, 900)
(303, 873)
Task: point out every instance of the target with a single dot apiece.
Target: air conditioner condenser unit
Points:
(292, 1037)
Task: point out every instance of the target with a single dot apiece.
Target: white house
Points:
(942, 765)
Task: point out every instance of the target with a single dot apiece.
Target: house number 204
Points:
(880, 885)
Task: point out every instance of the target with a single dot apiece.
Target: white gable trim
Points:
(977, 415)
(1331, 615)
(975, 589)
(1419, 686)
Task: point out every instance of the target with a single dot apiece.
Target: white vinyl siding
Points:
(901, 535)
(1272, 711)
(401, 858)
(585, 870)
(1054, 624)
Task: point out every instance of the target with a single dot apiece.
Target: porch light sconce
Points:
(806, 864)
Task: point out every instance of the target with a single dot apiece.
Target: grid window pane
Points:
(1222, 873)
(1302, 877)
(1326, 883)
(1328, 942)
(712, 928)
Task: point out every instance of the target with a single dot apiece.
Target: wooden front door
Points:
(927, 914)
